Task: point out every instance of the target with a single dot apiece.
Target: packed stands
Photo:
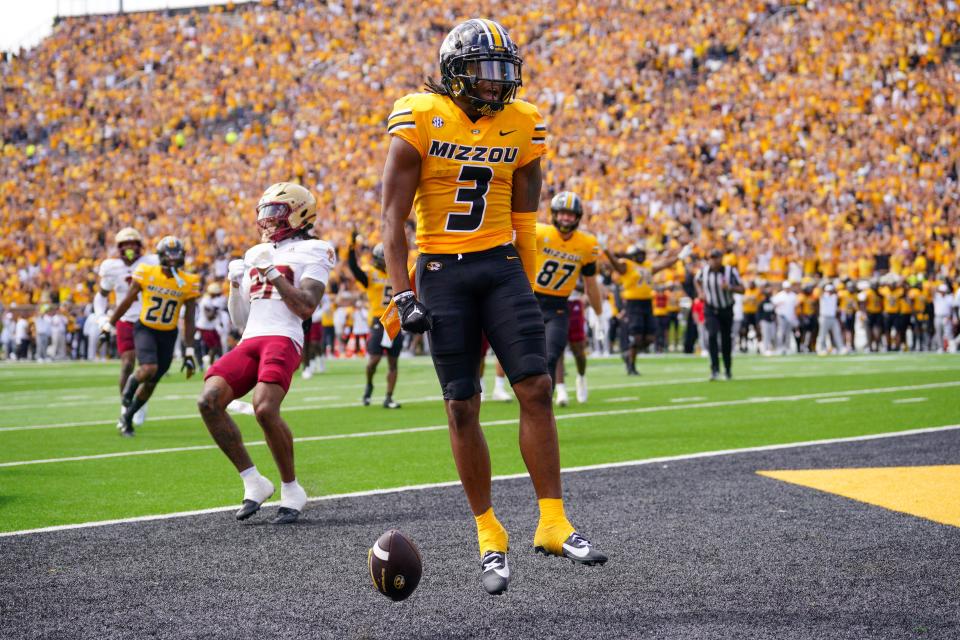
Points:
(810, 140)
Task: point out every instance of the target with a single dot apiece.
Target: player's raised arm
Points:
(527, 181)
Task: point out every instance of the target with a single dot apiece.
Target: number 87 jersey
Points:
(560, 262)
(464, 200)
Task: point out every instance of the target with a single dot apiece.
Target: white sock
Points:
(561, 387)
(292, 495)
(581, 378)
(255, 485)
(499, 382)
(483, 386)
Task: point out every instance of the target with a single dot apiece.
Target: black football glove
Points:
(189, 362)
(414, 317)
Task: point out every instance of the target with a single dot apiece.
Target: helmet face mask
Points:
(566, 201)
(170, 252)
(130, 244)
(285, 210)
(476, 54)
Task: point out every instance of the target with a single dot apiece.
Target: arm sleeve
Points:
(355, 268)
(238, 307)
(324, 258)
(525, 229)
(100, 304)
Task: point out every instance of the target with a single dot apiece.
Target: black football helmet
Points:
(480, 49)
(378, 258)
(566, 201)
(170, 251)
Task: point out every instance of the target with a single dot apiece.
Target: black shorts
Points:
(640, 317)
(556, 323)
(483, 291)
(749, 320)
(891, 322)
(875, 320)
(374, 346)
(154, 347)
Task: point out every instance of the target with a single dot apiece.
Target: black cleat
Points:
(367, 392)
(247, 509)
(390, 403)
(125, 428)
(285, 515)
(578, 549)
(495, 576)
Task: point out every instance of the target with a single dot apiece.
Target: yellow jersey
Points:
(560, 262)
(162, 296)
(637, 281)
(751, 300)
(874, 302)
(891, 299)
(379, 292)
(464, 199)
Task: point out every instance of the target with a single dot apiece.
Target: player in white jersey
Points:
(116, 274)
(276, 286)
(210, 324)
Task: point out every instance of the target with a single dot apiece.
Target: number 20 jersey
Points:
(464, 200)
(295, 259)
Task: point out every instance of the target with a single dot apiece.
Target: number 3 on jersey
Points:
(475, 196)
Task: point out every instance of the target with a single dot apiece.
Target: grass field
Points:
(62, 461)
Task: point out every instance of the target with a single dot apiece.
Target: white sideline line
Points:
(342, 405)
(690, 399)
(438, 485)
(908, 400)
(833, 400)
(443, 427)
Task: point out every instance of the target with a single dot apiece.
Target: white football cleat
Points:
(500, 395)
(140, 416)
(307, 373)
(562, 397)
(582, 389)
(239, 406)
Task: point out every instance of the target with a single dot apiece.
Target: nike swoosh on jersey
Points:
(579, 552)
(506, 133)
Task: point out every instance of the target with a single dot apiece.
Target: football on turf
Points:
(395, 565)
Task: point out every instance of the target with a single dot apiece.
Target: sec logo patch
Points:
(438, 122)
(434, 266)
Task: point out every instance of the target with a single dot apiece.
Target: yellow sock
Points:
(554, 528)
(490, 533)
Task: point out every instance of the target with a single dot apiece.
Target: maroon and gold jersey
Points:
(464, 200)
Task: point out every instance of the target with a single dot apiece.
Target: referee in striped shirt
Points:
(716, 285)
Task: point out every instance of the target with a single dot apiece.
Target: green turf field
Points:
(62, 461)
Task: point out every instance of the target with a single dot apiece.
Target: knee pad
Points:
(461, 389)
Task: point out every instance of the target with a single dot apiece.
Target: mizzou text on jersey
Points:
(464, 199)
(162, 295)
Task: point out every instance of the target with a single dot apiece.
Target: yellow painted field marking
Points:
(927, 492)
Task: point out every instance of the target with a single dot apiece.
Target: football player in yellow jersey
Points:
(379, 292)
(636, 277)
(165, 289)
(919, 317)
(872, 300)
(563, 254)
(893, 321)
(751, 303)
(466, 157)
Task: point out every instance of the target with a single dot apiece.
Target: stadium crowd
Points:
(813, 143)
